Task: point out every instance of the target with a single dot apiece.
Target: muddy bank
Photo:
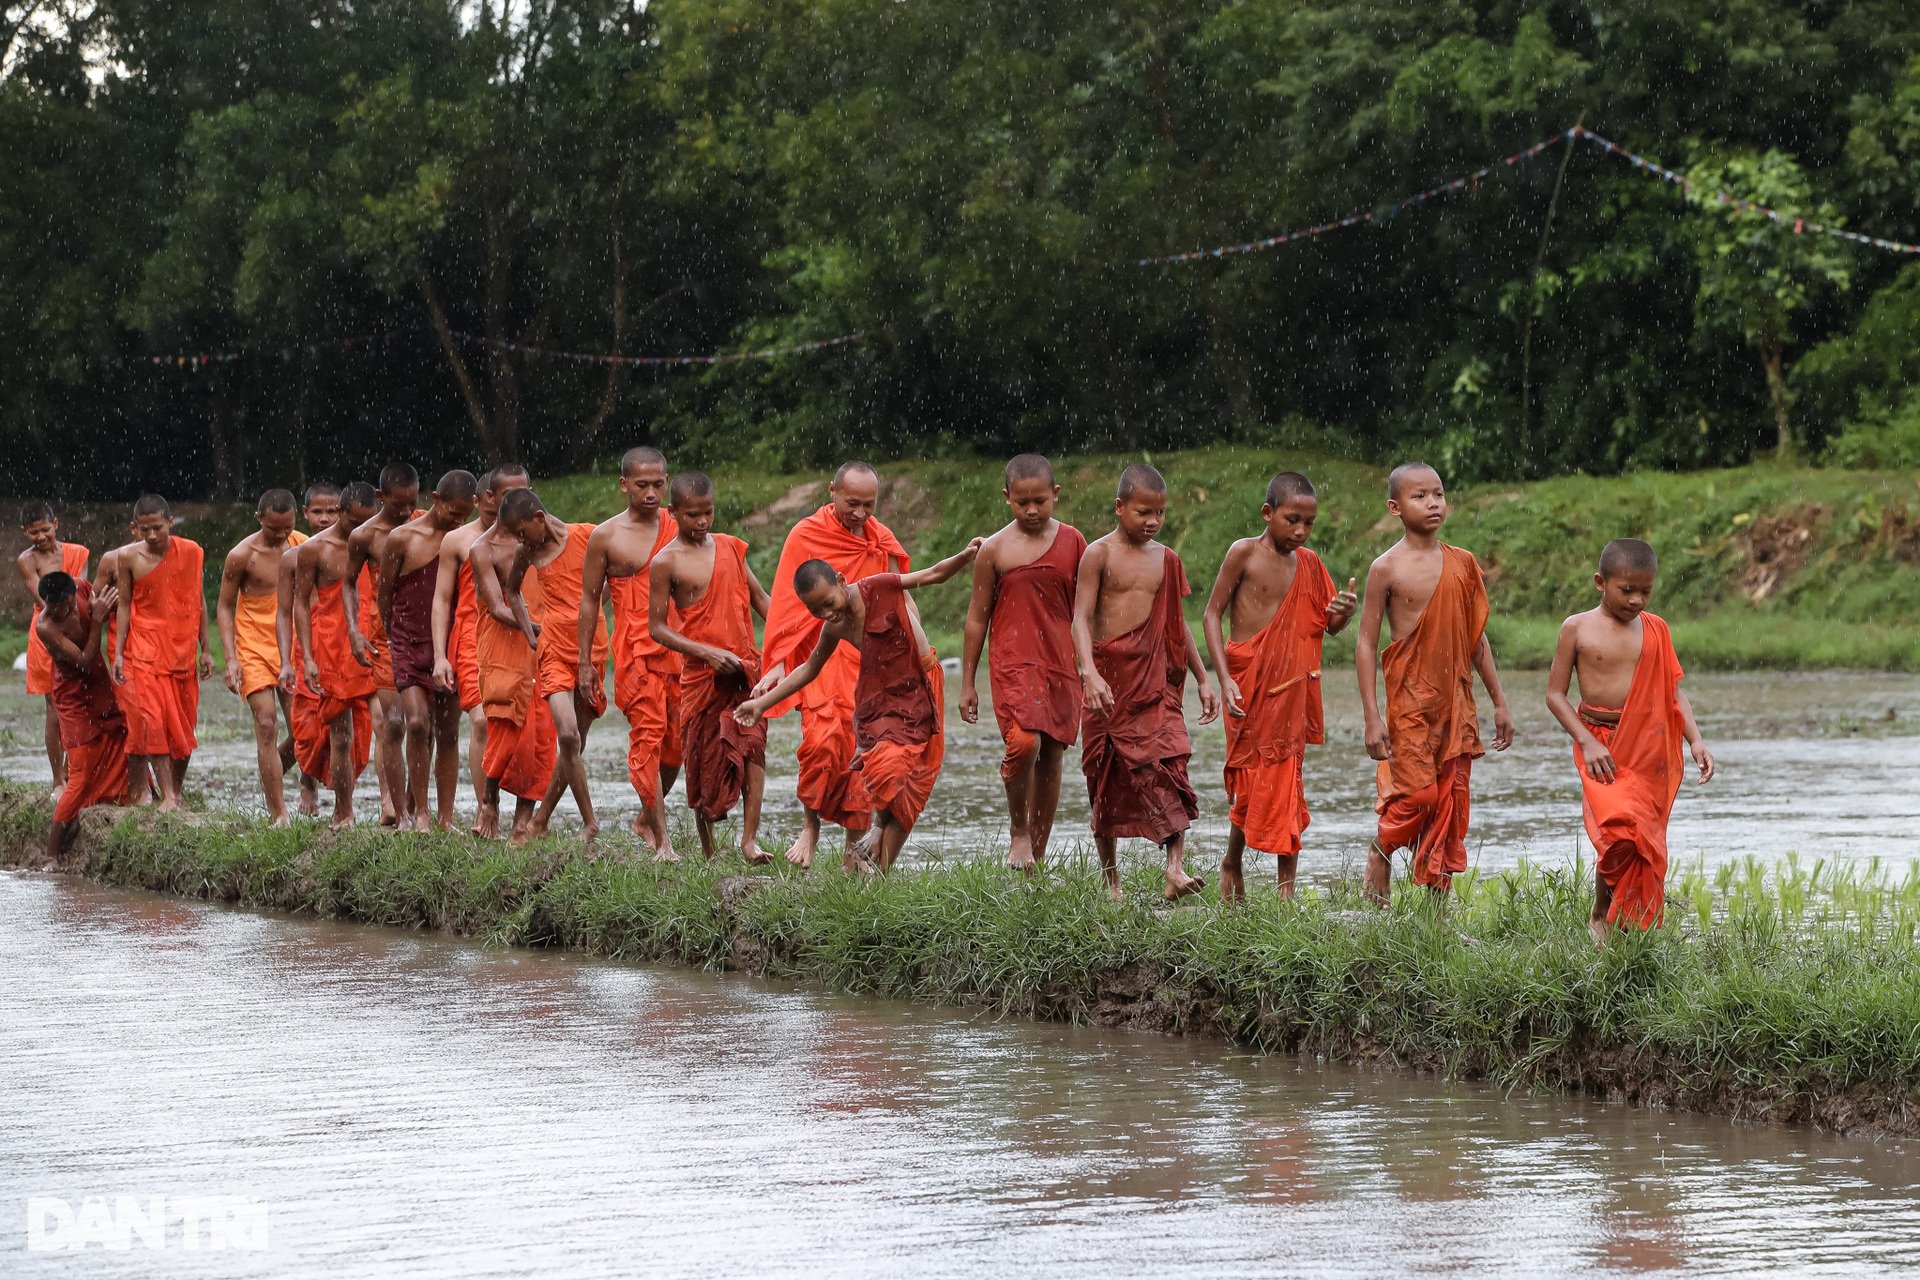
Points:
(1747, 1019)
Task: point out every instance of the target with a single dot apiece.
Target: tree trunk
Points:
(462, 376)
(610, 392)
(1771, 357)
(504, 372)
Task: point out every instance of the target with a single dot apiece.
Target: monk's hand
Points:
(206, 668)
(1704, 758)
(1600, 762)
(1230, 697)
(1502, 728)
(443, 677)
(313, 678)
(1341, 607)
(363, 651)
(119, 670)
(234, 677)
(1096, 692)
(969, 703)
(1209, 703)
(725, 661)
(104, 603)
(288, 681)
(767, 681)
(588, 677)
(747, 714)
(1377, 745)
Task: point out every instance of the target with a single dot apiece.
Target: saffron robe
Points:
(559, 618)
(521, 747)
(897, 705)
(1030, 663)
(410, 638)
(256, 635)
(92, 728)
(462, 651)
(345, 687)
(40, 677)
(373, 627)
(646, 678)
(163, 647)
(716, 751)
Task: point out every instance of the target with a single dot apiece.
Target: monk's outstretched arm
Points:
(1086, 602)
(986, 580)
(1490, 677)
(1225, 585)
(1366, 659)
(230, 575)
(749, 712)
(935, 574)
(446, 579)
(1566, 658)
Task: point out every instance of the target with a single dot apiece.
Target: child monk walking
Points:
(456, 653)
(46, 554)
(322, 509)
(140, 784)
(899, 695)
(409, 582)
(367, 630)
(1135, 652)
(701, 601)
(1281, 602)
(162, 629)
(520, 749)
(332, 729)
(1435, 601)
(1626, 734)
(70, 622)
(646, 674)
(559, 551)
(248, 615)
(1023, 587)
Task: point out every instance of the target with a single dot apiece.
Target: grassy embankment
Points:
(1792, 996)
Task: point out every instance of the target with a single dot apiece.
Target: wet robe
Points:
(410, 638)
(347, 686)
(715, 750)
(1626, 819)
(521, 746)
(256, 635)
(40, 676)
(558, 657)
(92, 729)
(646, 677)
(373, 627)
(462, 650)
(163, 649)
(827, 784)
(1030, 662)
(1278, 672)
(1135, 757)
(1433, 725)
(897, 705)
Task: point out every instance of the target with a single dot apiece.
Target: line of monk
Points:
(371, 638)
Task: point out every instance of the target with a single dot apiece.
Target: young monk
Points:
(162, 630)
(559, 551)
(1023, 588)
(845, 534)
(520, 749)
(646, 675)
(408, 586)
(332, 730)
(1135, 650)
(1435, 601)
(701, 600)
(1626, 734)
(140, 784)
(456, 654)
(899, 695)
(367, 630)
(321, 507)
(1281, 601)
(70, 622)
(248, 611)
(46, 554)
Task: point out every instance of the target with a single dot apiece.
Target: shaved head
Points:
(1288, 484)
(359, 496)
(1628, 555)
(324, 489)
(641, 456)
(1029, 466)
(457, 486)
(520, 506)
(34, 513)
(500, 475)
(853, 469)
(150, 504)
(279, 500)
(1140, 476)
(1405, 472)
(690, 484)
(398, 475)
(811, 574)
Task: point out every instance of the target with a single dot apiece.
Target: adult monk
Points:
(1023, 585)
(321, 507)
(332, 729)
(46, 554)
(559, 551)
(900, 697)
(162, 632)
(646, 674)
(1626, 734)
(701, 601)
(1135, 652)
(1281, 603)
(367, 629)
(846, 534)
(70, 622)
(520, 750)
(248, 615)
(409, 581)
(1435, 601)
(456, 622)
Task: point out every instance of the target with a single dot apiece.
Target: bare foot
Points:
(309, 806)
(421, 822)
(1599, 930)
(1113, 888)
(665, 855)
(1180, 884)
(858, 857)
(639, 828)
(282, 822)
(755, 855)
(169, 805)
(589, 833)
(486, 822)
(1020, 853)
(1233, 885)
(388, 820)
(340, 822)
(534, 830)
(800, 854)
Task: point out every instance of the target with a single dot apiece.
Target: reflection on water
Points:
(413, 1105)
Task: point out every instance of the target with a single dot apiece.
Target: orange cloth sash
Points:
(520, 754)
(96, 774)
(559, 619)
(373, 626)
(464, 654)
(163, 644)
(646, 677)
(521, 746)
(717, 752)
(1030, 663)
(73, 563)
(347, 687)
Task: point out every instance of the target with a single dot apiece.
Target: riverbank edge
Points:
(1384, 990)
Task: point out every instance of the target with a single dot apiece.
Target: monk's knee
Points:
(568, 743)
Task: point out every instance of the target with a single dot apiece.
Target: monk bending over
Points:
(70, 623)
(1435, 601)
(367, 632)
(332, 727)
(248, 614)
(1021, 613)
(1135, 652)
(520, 751)
(456, 652)
(1281, 602)
(1626, 734)
(701, 602)
(46, 554)
(899, 695)
(141, 787)
(162, 630)
(409, 582)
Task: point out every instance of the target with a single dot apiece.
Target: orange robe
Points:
(1626, 819)
(827, 783)
(521, 746)
(559, 619)
(256, 635)
(163, 647)
(1278, 671)
(373, 626)
(1030, 663)
(73, 563)
(92, 729)
(717, 752)
(464, 655)
(1135, 756)
(347, 686)
(646, 678)
(897, 706)
(1433, 726)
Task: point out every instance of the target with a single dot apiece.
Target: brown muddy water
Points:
(1825, 765)
(400, 1104)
